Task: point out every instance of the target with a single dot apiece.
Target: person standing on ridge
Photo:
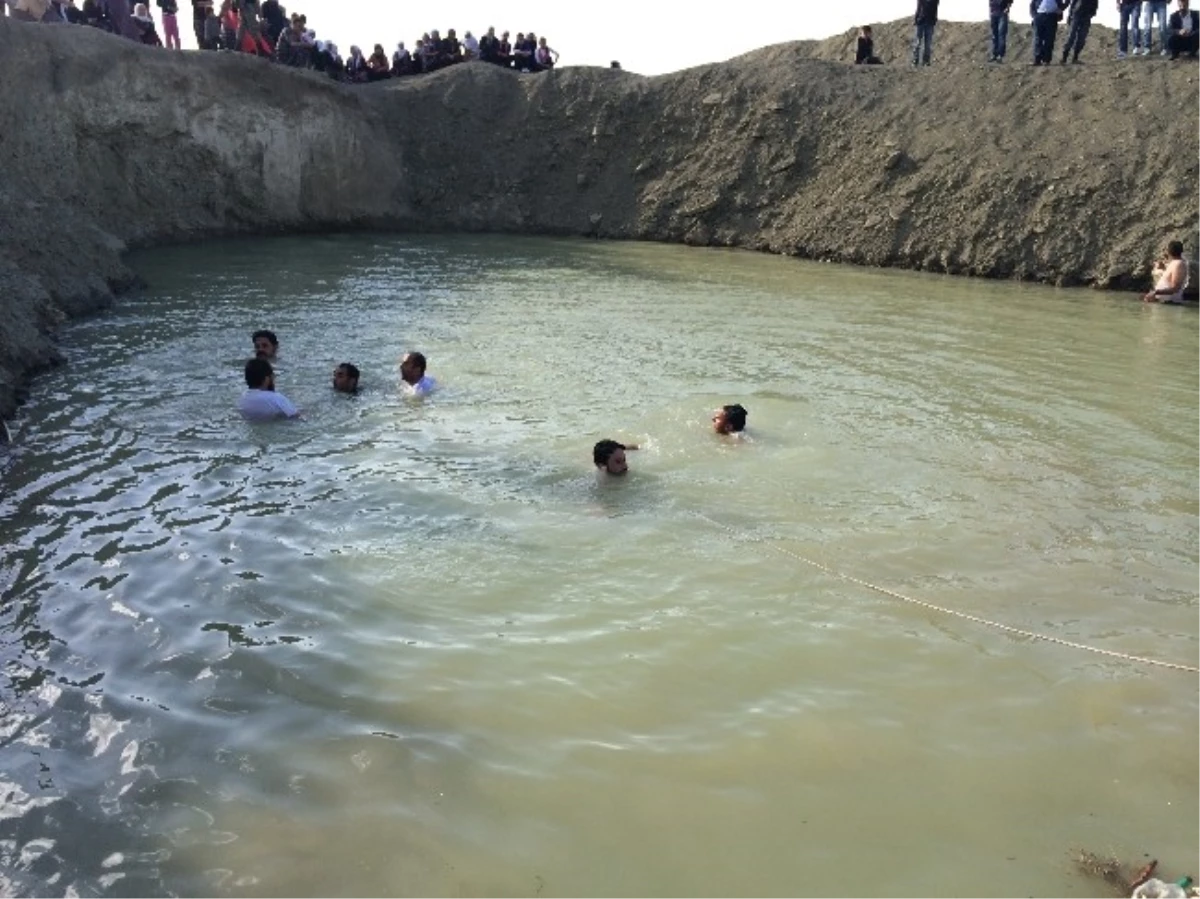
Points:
(1080, 20)
(998, 17)
(1151, 10)
(1046, 14)
(1128, 10)
(925, 21)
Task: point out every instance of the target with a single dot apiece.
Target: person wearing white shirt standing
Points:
(412, 372)
(260, 402)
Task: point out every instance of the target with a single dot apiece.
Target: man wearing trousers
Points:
(1080, 20)
(1151, 10)
(1184, 32)
(1045, 29)
(998, 15)
(925, 21)
(1129, 11)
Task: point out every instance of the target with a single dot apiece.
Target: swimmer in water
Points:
(1174, 279)
(610, 456)
(266, 344)
(412, 372)
(345, 378)
(261, 402)
(729, 419)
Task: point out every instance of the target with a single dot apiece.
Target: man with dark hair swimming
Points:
(266, 344)
(345, 378)
(610, 456)
(412, 373)
(729, 419)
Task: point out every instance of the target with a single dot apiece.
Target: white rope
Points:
(964, 615)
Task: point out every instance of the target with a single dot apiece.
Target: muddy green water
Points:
(420, 648)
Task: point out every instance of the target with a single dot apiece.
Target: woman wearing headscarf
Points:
(144, 22)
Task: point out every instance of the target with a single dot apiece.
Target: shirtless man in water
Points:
(1174, 279)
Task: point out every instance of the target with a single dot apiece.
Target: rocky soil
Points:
(1072, 175)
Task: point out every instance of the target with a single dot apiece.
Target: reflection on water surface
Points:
(420, 648)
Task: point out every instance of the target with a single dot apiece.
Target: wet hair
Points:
(269, 335)
(735, 416)
(257, 372)
(417, 359)
(603, 450)
(351, 371)
(1175, 249)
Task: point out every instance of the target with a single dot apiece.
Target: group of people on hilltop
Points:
(1179, 34)
(264, 28)
(528, 53)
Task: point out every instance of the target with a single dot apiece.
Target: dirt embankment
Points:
(1070, 175)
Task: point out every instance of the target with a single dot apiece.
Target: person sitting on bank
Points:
(345, 378)
(289, 46)
(1183, 30)
(144, 23)
(730, 419)
(378, 65)
(412, 372)
(545, 56)
(401, 61)
(609, 456)
(356, 66)
(864, 55)
(266, 344)
(260, 402)
(1174, 279)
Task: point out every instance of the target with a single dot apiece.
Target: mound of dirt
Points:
(1072, 175)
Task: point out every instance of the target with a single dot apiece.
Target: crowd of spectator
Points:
(1178, 34)
(264, 28)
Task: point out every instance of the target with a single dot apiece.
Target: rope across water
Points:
(1033, 635)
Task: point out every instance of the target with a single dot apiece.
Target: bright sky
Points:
(650, 37)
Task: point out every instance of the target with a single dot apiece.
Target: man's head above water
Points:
(345, 378)
(610, 456)
(259, 374)
(729, 419)
(412, 368)
(266, 344)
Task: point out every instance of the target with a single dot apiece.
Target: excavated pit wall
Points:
(1071, 176)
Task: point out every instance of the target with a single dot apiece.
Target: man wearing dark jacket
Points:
(1080, 20)
(998, 15)
(926, 21)
(1183, 32)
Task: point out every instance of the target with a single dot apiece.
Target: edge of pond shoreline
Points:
(783, 151)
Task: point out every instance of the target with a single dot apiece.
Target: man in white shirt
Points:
(1184, 31)
(260, 402)
(412, 372)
